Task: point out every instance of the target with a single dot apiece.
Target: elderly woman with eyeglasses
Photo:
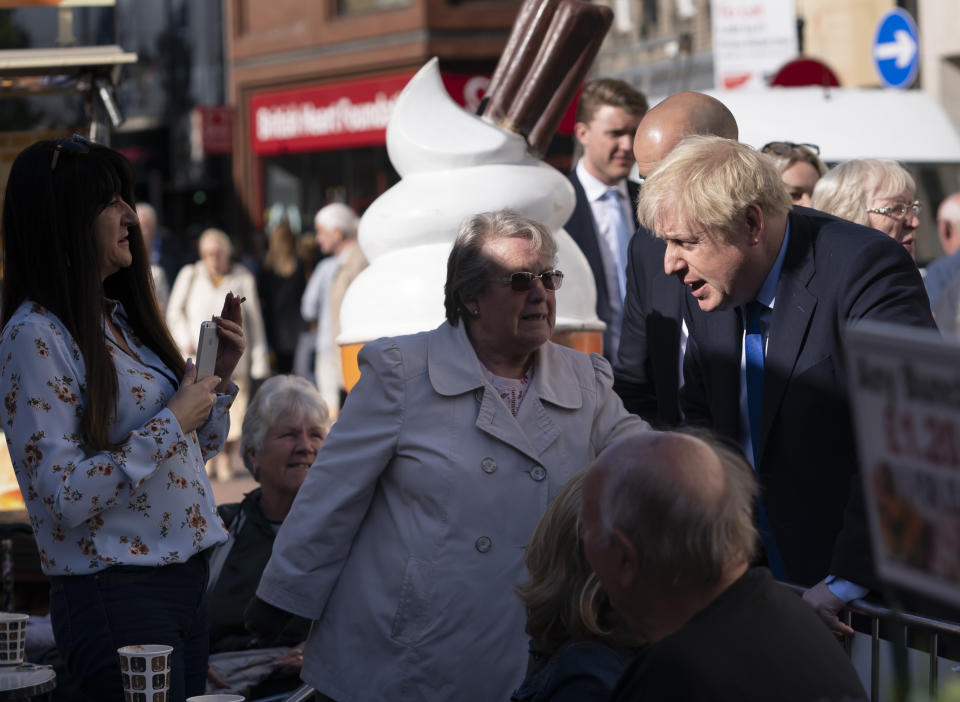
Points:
(407, 537)
(874, 192)
(108, 428)
(799, 166)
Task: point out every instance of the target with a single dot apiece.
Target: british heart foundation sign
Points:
(905, 391)
(329, 116)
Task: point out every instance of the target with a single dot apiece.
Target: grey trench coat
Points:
(407, 537)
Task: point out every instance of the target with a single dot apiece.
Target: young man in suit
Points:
(765, 365)
(603, 220)
(654, 333)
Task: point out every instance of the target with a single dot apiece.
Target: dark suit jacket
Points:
(756, 642)
(835, 272)
(647, 369)
(583, 228)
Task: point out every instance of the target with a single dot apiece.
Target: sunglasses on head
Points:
(75, 144)
(783, 148)
(523, 280)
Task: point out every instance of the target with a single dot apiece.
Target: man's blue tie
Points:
(623, 232)
(756, 322)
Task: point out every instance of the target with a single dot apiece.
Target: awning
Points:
(848, 123)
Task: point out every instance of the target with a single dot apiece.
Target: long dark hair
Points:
(51, 258)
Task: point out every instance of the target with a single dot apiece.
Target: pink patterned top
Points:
(510, 389)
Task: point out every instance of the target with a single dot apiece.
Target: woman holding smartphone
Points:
(107, 426)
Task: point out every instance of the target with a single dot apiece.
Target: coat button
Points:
(478, 394)
(483, 544)
(489, 465)
(538, 473)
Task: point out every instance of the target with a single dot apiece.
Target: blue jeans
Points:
(94, 615)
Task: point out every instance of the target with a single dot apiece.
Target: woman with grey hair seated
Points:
(408, 535)
(283, 429)
(873, 192)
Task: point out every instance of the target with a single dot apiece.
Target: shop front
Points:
(325, 142)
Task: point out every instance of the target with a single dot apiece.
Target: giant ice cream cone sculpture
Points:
(452, 166)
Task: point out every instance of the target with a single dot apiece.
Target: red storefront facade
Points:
(312, 84)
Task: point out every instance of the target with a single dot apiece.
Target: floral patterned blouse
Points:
(147, 503)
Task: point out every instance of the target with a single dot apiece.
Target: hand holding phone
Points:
(207, 350)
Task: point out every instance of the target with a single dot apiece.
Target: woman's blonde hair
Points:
(281, 255)
(564, 598)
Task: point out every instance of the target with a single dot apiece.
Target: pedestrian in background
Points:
(281, 284)
(193, 300)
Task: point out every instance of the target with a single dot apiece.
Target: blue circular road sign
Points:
(896, 50)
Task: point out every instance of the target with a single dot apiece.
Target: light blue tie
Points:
(623, 232)
(756, 322)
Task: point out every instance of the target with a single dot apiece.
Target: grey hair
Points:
(218, 235)
(798, 154)
(847, 190)
(683, 538)
(949, 210)
(468, 270)
(279, 394)
(338, 216)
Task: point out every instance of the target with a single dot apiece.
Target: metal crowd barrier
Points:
(932, 627)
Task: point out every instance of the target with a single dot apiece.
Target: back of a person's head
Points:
(688, 511)
(563, 597)
(337, 215)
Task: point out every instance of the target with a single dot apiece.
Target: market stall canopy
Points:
(66, 60)
(848, 123)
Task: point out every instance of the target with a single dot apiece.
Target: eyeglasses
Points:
(523, 281)
(899, 210)
(75, 144)
(783, 148)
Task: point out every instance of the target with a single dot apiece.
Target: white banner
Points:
(752, 39)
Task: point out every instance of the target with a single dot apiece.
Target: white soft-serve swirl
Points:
(452, 166)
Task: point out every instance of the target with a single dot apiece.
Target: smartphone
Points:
(207, 350)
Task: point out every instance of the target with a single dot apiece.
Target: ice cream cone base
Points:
(586, 341)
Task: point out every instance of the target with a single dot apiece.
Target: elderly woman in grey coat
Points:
(407, 537)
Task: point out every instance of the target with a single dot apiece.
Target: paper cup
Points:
(217, 698)
(13, 637)
(145, 670)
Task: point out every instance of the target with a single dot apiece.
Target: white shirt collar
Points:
(596, 189)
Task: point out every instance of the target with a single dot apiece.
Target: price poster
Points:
(905, 395)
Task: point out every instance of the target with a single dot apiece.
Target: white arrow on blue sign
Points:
(896, 52)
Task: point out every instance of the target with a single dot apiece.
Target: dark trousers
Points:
(94, 615)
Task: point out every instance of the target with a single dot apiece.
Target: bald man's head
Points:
(684, 504)
(679, 116)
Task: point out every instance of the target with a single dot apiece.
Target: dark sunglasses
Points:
(75, 144)
(783, 148)
(523, 281)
